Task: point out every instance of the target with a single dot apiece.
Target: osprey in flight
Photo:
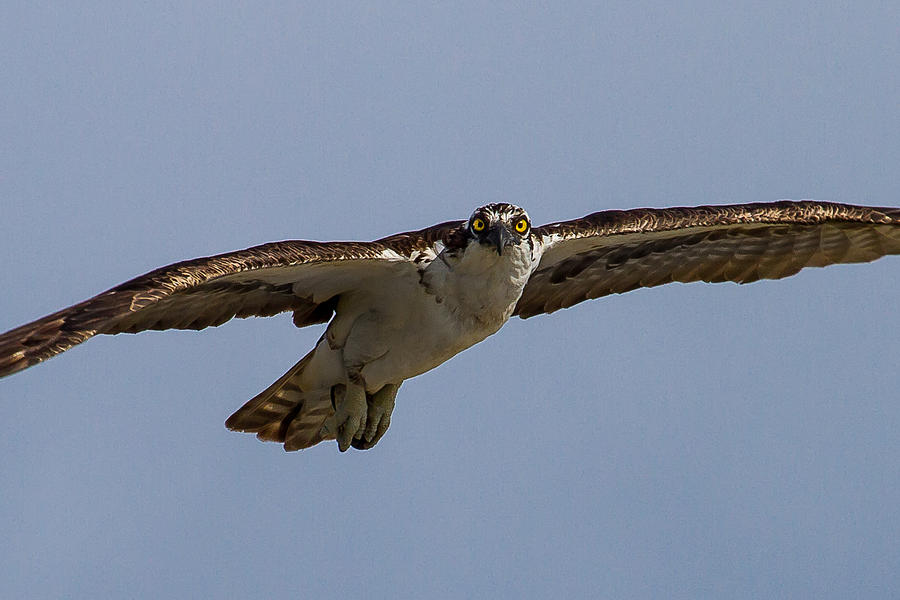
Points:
(402, 305)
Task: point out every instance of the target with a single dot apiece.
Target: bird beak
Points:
(499, 236)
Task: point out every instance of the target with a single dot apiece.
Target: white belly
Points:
(393, 334)
(414, 342)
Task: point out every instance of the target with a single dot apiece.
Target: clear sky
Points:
(682, 442)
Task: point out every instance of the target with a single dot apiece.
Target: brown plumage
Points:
(613, 252)
(603, 253)
(203, 292)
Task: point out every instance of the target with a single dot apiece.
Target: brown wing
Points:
(613, 252)
(305, 277)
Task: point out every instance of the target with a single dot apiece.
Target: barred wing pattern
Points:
(300, 276)
(613, 252)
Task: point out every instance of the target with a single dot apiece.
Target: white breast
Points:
(480, 287)
(407, 326)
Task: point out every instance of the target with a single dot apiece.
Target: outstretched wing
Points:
(616, 251)
(300, 276)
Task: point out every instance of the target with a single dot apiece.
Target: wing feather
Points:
(300, 276)
(613, 252)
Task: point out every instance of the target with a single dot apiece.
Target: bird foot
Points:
(378, 419)
(349, 418)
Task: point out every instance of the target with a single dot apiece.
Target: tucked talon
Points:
(380, 407)
(349, 417)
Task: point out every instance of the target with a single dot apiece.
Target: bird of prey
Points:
(402, 305)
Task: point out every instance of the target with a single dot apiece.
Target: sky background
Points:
(687, 441)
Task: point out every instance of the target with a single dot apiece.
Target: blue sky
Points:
(686, 441)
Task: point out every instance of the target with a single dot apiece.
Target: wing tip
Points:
(13, 363)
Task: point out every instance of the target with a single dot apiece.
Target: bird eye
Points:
(522, 225)
(478, 224)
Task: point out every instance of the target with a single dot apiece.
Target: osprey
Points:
(402, 305)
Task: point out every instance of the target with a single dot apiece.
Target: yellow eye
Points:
(522, 225)
(478, 224)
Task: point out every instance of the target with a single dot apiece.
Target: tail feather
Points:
(285, 413)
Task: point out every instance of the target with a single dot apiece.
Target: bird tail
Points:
(285, 413)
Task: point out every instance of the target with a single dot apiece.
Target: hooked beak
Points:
(499, 236)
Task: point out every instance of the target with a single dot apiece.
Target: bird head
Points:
(499, 225)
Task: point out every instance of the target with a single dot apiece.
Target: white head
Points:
(499, 225)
